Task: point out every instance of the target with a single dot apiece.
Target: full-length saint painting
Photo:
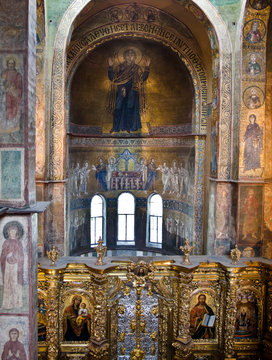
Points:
(250, 222)
(13, 267)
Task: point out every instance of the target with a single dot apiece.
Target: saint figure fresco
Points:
(13, 85)
(253, 140)
(12, 266)
(197, 315)
(126, 98)
(13, 349)
(250, 208)
(76, 321)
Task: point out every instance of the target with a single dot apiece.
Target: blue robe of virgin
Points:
(126, 98)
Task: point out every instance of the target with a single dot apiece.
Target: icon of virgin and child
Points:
(126, 99)
(76, 321)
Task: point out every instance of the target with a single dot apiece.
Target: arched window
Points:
(154, 221)
(98, 223)
(126, 219)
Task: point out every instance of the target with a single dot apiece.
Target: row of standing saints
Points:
(176, 180)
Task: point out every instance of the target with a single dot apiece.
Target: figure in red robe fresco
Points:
(13, 85)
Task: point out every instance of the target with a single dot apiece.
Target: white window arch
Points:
(98, 219)
(126, 219)
(154, 221)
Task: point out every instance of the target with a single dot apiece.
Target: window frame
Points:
(103, 216)
(148, 223)
(126, 242)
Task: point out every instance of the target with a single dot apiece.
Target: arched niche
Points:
(59, 124)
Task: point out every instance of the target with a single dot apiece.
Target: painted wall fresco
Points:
(12, 174)
(40, 91)
(250, 216)
(11, 97)
(14, 340)
(14, 266)
(225, 218)
(103, 94)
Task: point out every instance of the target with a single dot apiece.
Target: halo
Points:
(121, 51)
(19, 328)
(18, 61)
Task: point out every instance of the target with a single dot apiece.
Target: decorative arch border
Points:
(57, 137)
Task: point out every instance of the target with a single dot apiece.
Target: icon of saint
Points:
(197, 315)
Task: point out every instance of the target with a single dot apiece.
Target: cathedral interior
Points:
(109, 249)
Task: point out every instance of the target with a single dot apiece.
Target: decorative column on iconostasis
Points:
(18, 229)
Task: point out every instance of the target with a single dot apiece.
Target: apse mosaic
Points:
(116, 89)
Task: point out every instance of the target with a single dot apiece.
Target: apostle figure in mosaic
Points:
(151, 175)
(174, 171)
(166, 176)
(253, 140)
(112, 166)
(197, 315)
(75, 178)
(126, 98)
(83, 177)
(101, 173)
(13, 349)
(12, 266)
(14, 90)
